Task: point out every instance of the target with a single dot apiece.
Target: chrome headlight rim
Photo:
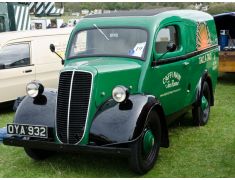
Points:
(34, 89)
(120, 93)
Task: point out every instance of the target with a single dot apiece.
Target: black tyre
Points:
(38, 154)
(145, 150)
(201, 112)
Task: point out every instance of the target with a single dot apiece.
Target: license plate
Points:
(27, 130)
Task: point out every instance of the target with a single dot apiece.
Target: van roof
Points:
(155, 13)
(142, 12)
(13, 35)
(148, 19)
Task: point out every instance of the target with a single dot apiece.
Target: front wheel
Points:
(38, 154)
(145, 150)
(201, 112)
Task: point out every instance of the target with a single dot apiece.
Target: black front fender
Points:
(121, 123)
(39, 111)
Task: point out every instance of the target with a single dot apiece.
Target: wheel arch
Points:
(110, 124)
(204, 78)
(164, 138)
(209, 81)
(39, 111)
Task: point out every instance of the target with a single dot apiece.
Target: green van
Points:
(126, 76)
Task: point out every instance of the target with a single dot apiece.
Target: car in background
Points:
(25, 56)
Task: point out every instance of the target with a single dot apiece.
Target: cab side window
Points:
(15, 55)
(2, 24)
(166, 35)
(80, 44)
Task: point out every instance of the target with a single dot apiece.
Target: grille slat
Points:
(79, 102)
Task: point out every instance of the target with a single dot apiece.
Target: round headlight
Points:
(34, 88)
(120, 93)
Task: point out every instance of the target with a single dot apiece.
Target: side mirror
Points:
(52, 47)
(171, 47)
(2, 66)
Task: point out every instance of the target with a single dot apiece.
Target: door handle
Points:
(28, 71)
(186, 63)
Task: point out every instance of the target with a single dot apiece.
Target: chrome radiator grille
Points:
(72, 105)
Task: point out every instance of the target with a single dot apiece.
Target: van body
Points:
(25, 56)
(126, 77)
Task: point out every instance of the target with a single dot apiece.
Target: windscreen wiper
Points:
(101, 31)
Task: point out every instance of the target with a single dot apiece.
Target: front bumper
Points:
(65, 147)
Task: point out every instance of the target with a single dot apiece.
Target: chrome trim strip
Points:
(68, 116)
(58, 139)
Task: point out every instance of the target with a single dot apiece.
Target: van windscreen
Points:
(123, 42)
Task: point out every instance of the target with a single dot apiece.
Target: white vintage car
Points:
(25, 56)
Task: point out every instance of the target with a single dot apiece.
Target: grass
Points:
(207, 151)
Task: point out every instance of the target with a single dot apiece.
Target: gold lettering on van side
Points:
(172, 79)
(205, 58)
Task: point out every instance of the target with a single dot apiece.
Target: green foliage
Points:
(214, 8)
(217, 8)
(75, 7)
(207, 151)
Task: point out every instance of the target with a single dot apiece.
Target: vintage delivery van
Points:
(125, 78)
(24, 57)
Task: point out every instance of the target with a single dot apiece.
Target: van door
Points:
(48, 64)
(16, 70)
(169, 76)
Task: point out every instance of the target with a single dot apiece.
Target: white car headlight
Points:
(120, 93)
(33, 89)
